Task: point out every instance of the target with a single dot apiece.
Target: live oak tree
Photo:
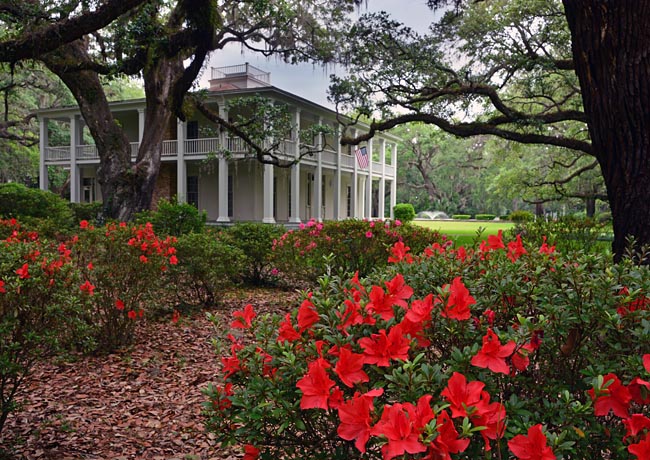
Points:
(571, 74)
(166, 43)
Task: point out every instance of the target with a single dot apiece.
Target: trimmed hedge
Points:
(404, 212)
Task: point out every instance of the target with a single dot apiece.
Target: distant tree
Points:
(570, 74)
(164, 42)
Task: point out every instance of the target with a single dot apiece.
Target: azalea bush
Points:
(206, 266)
(41, 304)
(125, 270)
(496, 352)
(255, 241)
(346, 246)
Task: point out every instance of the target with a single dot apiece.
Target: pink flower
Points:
(368, 234)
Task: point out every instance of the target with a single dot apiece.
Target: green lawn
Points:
(464, 232)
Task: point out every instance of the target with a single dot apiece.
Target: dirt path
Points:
(141, 404)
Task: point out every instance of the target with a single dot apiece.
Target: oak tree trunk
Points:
(611, 51)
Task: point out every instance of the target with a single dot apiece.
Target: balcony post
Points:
(43, 181)
(140, 125)
(181, 167)
(74, 170)
(393, 184)
(268, 218)
(354, 212)
(337, 176)
(318, 180)
(295, 171)
(382, 180)
(368, 202)
(223, 168)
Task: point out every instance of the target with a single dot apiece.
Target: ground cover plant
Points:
(493, 352)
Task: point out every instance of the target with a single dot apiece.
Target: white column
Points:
(393, 184)
(354, 212)
(140, 124)
(295, 171)
(181, 166)
(268, 218)
(43, 142)
(318, 179)
(223, 168)
(74, 170)
(337, 176)
(368, 203)
(382, 180)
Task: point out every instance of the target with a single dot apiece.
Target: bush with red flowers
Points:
(500, 351)
(126, 272)
(41, 304)
(346, 246)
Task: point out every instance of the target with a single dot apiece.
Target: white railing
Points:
(135, 146)
(169, 148)
(328, 157)
(201, 146)
(87, 152)
(347, 161)
(237, 145)
(57, 153)
(390, 171)
(376, 168)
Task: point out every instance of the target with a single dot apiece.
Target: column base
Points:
(268, 220)
(223, 219)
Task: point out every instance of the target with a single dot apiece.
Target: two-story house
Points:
(329, 184)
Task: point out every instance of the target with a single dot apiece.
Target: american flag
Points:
(362, 157)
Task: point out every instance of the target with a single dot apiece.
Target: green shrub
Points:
(206, 266)
(346, 246)
(461, 216)
(41, 305)
(521, 216)
(404, 212)
(470, 348)
(173, 218)
(24, 203)
(485, 216)
(126, 267)
(86, 211)
(255, 241)
(568, 234)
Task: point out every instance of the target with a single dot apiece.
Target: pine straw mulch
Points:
(144, 403)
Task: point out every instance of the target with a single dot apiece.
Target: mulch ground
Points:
(144, 403)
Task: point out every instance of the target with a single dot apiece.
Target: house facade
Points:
(330, 184)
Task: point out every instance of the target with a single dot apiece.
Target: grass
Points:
(464, 232)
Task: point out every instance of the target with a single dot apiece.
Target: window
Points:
(193, 190)
(322, 193)
(349, 201)
(230, 196)
(289, 196)
(88, 189)
(193, 129)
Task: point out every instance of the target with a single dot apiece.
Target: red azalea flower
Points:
(447, 441)
(243, 319)
(397, 425)
(176, 316)
(144, 259)
(639, 390)
(380, 348)
(458, 302)
(520, 359)
(493, 355)
(315, 386)
(173, 260)
(399, 253)
(616, 397)
(287, 333)
(231, 364)
(132, 314)
(2, 287)
(23, 272)
(87, 288)
(355, 418)
(635, 424)
(83, 224)
(462, 395)
(119, 304)
(349, 368)
(352, 316)
(641, 449)
(531, 447)
(516, 249)
(420, 310)
(545, 248)
(416, 331)
(251, 452)
(307, 315)
(90, 266)
(646, 362)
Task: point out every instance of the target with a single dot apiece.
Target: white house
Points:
(330, 184)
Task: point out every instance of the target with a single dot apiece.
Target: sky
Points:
(308, 80)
